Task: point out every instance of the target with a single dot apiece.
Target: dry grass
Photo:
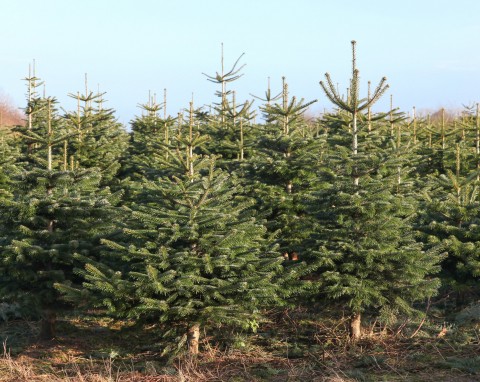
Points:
(294, 346)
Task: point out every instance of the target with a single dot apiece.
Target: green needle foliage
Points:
(448, 173)
(229, 123)
(223, 78)
(98, 141)
(194, 256)
(8, 170)
(364, 245)
(450, 218)
(150, 139)
(53, 214)
(224, 218)
(287, 155)
(231, 140)
(8, 157)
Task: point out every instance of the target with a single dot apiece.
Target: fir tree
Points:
(450, 219)
(195, 256)
(150, 141)
(287, 155)
(223, 78)
(54, 213)
(229, 124)
(364, 244)
(8, 157)
(99, 140)
(8, 170)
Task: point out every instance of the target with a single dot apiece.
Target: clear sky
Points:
(428, 49)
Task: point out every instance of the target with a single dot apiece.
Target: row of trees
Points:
(207, 217)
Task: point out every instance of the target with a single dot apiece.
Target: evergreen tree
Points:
(99, 140)
(195, 256)
(449, 202)
(54, 213)
(8, 170)
(450, 218)
(223, 78)
(229, 124)
(364, 245)
(150, 140)
(231, 139)
(8, 156)
(287, 155)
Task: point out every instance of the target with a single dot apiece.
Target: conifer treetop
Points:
(230, 76)
(353, 103)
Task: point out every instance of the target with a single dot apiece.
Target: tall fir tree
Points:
(369, 259)
(54, 213)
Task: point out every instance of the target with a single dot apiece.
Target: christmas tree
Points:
(364, 244)
(288, 153)
(54, 213)
(194, 255)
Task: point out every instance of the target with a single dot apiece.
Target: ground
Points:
(292, 346)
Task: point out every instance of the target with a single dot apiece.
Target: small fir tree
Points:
(194, 257)
(450, 219)
(287, 155)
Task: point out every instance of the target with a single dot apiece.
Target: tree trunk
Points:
(355, 326)
(193, 337)
(47, 325)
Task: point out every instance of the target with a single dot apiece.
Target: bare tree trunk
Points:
(193, 337)
(47, 325)
(356, 326)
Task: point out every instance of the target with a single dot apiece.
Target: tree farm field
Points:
(237, 241)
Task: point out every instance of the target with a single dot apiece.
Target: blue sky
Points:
(428, 50)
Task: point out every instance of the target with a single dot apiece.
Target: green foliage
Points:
(229, 124)
(219, 208)
(288, 152)
(62, 214)
(362, 238)
(53, 214)
(450, 218)
(149, 141)
(366, 251)
(98, 140)
(8, 170)
(194, 253)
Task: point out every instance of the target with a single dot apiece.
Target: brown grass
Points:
(293, 346)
